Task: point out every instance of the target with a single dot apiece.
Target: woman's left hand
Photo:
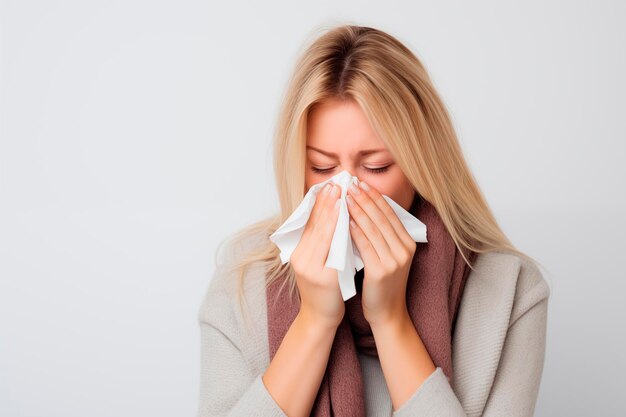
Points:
(387, 251)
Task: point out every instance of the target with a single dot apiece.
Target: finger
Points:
(320, 197)
(371, 201)
(323, 231)
(366, 250)
(367, 224)
(390, 214)
(326, 194)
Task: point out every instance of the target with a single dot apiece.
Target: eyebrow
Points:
(360, 153)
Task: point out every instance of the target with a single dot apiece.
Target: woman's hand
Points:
(387, 251)
(320, 295)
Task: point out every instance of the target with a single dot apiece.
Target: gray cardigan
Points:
(498, 346)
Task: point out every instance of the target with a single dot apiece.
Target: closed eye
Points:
(372, 170)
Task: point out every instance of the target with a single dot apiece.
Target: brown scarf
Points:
(435, 285)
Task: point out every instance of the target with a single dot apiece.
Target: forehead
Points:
(335, 125)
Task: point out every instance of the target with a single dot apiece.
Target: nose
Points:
(349, 166)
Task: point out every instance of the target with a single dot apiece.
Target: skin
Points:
(337, 134)
(341, 128)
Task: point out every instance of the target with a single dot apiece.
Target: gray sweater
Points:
(498, 346)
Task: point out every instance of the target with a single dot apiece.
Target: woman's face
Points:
(340, 137)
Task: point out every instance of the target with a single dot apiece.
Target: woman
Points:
(455, 326)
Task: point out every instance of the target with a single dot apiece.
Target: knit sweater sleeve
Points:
(517, 378)
(227, 386)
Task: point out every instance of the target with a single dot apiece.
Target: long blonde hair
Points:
(395, 92)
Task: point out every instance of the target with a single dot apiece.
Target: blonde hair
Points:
(395, 92)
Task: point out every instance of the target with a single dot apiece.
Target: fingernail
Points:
(354, 189)
(327, 188)
(337, 203)
(349, 200)
(353, 224)
(364, 186)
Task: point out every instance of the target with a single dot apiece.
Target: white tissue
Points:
(343, 254)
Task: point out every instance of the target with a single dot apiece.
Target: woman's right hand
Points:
(318, 285)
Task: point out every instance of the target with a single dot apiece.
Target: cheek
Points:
(310, 179)
(386, 183)
(393, 186)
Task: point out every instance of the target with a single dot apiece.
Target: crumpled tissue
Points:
(343, 254)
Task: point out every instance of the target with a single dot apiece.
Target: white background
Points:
(135, 136)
